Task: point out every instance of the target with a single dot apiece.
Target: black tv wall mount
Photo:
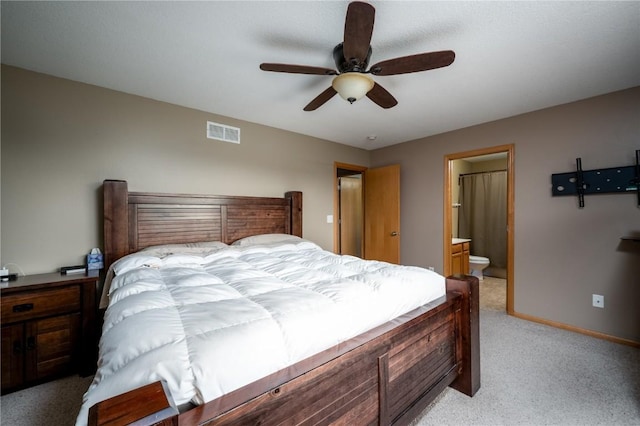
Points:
(599, 181)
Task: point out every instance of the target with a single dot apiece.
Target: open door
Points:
(382, 213)
(350, 220)
(379, 212)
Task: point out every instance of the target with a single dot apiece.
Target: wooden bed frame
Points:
(385, 376)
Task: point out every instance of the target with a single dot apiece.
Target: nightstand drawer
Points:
(29, 305)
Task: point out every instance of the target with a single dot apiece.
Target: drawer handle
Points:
(23, 308)
(31, 343)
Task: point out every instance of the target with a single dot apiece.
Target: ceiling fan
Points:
(352, 56)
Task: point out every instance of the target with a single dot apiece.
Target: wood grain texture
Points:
(135, 220)
(146, 402)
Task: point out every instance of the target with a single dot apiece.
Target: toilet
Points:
(477, 264)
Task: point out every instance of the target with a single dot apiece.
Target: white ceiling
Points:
(511, 58)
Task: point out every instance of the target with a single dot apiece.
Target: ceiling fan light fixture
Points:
(352, 86)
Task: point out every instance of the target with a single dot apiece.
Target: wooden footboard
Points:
(385, 376)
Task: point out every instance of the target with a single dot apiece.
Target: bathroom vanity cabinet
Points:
(460, 256)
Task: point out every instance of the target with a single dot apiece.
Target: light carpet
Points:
(55, 403)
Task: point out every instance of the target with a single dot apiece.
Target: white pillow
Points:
(133, 261)
(193, 248)
(267, 239)
(208, 244)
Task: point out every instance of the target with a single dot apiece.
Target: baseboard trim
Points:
(574, 329)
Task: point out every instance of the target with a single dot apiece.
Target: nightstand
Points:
(48, 328)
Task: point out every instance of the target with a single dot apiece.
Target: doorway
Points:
(350, 218)
(452, 207)
(348, 209)
(367, 211)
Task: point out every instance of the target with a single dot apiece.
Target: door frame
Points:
(448, 211)
(336, 200)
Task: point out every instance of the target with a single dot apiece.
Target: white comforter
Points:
(212, 320)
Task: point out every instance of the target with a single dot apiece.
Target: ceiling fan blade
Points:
(380, 96)
(358, 28)
(321, 99)
(297, 69)
(414, 63)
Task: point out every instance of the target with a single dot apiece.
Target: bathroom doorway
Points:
(492, 169)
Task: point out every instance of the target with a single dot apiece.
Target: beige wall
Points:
(61, 139)
(563, 254)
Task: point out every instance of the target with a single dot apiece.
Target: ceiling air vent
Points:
(222, 132)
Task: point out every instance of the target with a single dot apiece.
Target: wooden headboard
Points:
(135, 220)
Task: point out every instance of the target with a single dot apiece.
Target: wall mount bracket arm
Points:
(598, 181)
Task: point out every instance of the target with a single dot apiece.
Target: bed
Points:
(383, 372)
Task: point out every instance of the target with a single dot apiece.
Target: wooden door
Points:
(351, 217)
(51, 346)
(382, 213)
(12, 355)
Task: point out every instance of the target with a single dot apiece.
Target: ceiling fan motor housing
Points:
(350, 65)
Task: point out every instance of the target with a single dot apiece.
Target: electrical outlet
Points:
(431, 268)
(598, 300)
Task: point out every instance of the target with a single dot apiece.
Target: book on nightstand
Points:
(78, 269)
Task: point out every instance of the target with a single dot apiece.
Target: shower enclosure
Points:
(482, 216)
